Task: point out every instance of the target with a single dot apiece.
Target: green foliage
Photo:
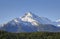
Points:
(33, 35)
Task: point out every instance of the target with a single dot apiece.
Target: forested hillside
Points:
(33, 35)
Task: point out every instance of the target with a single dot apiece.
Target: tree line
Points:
(32, 35)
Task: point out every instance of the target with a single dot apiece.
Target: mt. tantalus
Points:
(30, 23)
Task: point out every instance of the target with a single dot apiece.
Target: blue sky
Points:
(10, 9)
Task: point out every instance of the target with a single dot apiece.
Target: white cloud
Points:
(58, 20)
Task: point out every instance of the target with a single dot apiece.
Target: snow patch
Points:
(29, 14)
(15, 20)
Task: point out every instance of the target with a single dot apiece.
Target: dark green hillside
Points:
(34, 35)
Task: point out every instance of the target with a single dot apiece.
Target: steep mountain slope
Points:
(30, 17)
(30, 23)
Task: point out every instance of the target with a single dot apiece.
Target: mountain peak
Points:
(29, 14)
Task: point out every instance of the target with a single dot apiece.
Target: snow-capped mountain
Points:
(30, 23)
(30, 17)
